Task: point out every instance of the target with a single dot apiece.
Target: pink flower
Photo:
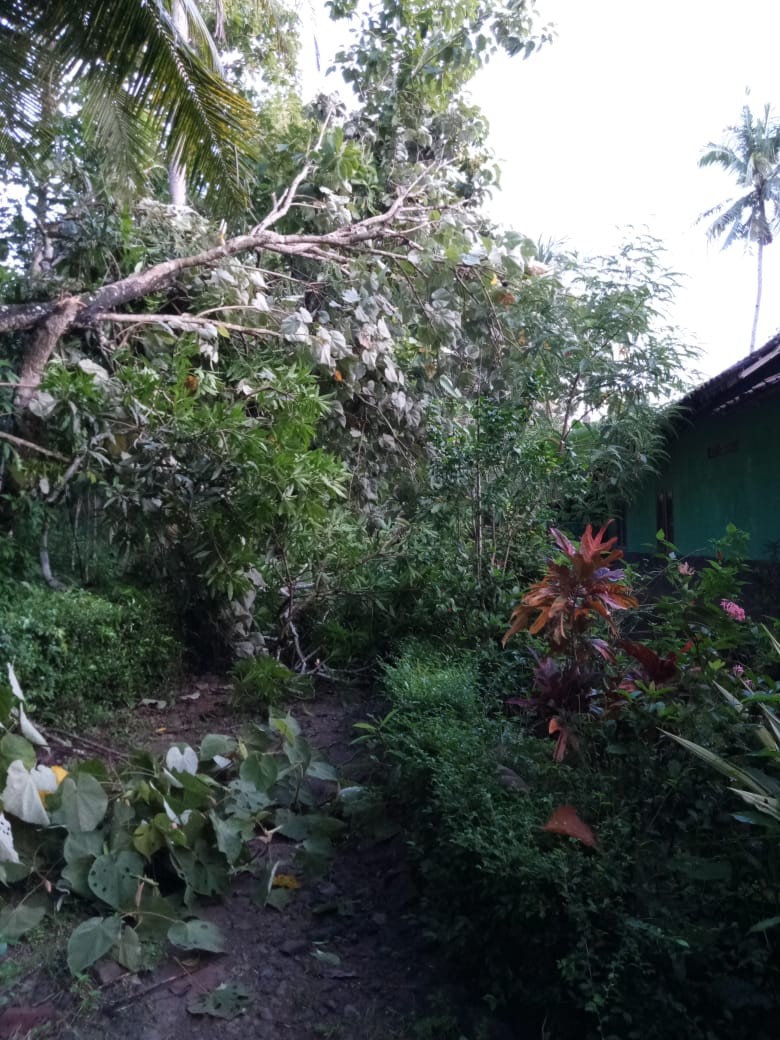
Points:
(685, 570)
(733, 610)
(738, 670)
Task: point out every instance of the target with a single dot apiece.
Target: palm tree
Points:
(751, 154)
(143, 78)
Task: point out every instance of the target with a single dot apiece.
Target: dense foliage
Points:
(212, 391)
(83, 655)
(143, 842)
(324, 407)
(609, 893)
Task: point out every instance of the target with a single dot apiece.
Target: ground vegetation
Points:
(328, 423)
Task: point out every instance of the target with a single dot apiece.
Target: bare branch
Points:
(185, 323)
(51, 321)
(282, 208)
(20, 442)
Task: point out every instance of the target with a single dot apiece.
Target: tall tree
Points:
(750, 154)
(144, 74)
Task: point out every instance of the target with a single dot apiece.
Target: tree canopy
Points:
(139, 81)
(351, 363)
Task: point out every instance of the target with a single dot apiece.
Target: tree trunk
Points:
(177, 177)
(42, 250)
(758, 295)
(37, 356)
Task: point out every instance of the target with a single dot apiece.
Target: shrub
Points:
(262, 682)
(647, 935)
(80, 654)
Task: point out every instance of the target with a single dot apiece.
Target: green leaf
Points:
(12, 873)
(84, 803)
(204, 869)
(147, 839)
(315, 856)
(76, 873)
(287, 727)
(312, 825)
(278, 898)
(262, 771)
(766, 924)
(92, 940)
(16, 920)
(128, 951)
(114, 879)
(197, 935)
(321, 770)
(196, 792)
(80, 845)
(226, 1001)
(216, 744)
(723, 766)
(155, 914)
(229, 839)
(13, 747)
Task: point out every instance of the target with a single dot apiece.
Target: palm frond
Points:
(131, 60)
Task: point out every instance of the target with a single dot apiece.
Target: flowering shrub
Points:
(734, 611)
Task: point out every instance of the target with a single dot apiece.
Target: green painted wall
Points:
(720, 469)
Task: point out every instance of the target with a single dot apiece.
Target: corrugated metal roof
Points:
(756, 372)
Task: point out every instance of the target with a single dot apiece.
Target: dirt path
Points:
(344, 960)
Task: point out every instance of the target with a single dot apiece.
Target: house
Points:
(722, 466)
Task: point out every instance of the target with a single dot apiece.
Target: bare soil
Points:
(345, 960)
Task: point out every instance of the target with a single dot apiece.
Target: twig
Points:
(19, 442)
(112, 752)
(185, 322)
(120, 1005)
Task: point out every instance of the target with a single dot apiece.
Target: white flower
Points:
(22, 797)
(8, 853)
(29, 731)
(184, 760)
(14, 682)
(177, 821)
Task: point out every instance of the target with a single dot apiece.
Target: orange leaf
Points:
(566, 821)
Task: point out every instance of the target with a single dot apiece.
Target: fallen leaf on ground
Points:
(566, 821)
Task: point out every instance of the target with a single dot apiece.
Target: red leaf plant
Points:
(573, 594)
(566, 599)
(658, 669)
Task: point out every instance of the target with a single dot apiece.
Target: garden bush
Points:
(81, 654)
(647, 935)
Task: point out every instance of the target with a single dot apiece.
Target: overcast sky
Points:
(602, 130)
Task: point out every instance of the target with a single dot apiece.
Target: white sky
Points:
(602, 131)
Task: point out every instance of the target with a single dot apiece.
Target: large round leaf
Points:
(197, 935)
(91, 941)
(84, 803)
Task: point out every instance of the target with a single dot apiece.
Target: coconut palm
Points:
(142, 79)
(751, 154)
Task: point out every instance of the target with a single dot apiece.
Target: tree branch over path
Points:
(51, 320)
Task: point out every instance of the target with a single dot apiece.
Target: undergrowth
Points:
(646, 936)
(81, 654)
